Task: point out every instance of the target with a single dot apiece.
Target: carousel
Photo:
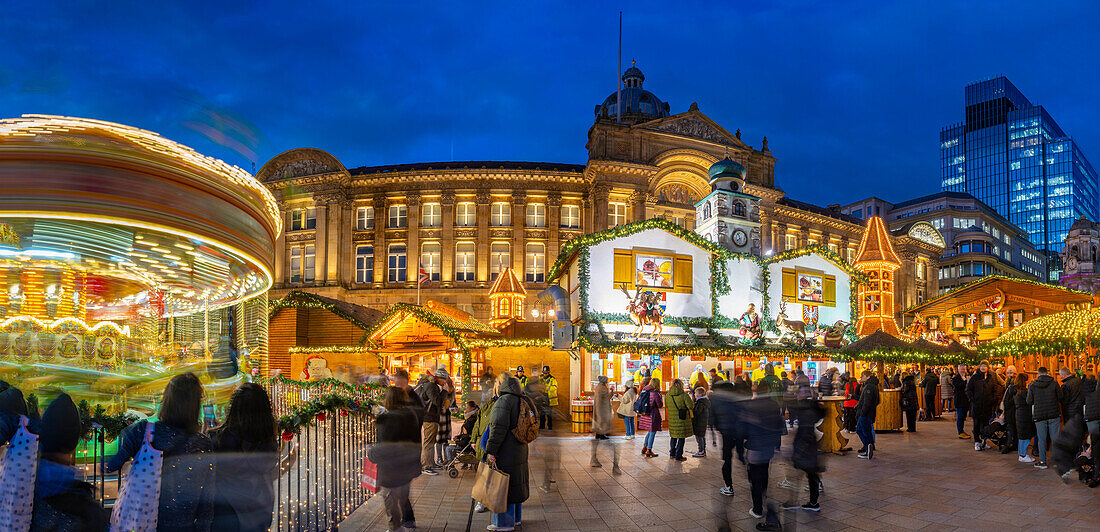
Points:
(126, 258)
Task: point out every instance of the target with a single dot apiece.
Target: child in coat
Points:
(700, 417)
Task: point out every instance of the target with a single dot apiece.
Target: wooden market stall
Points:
(302, 322)
(1067, 339)
(874, 349)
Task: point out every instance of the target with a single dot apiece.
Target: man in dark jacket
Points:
(1044, 396)
(979, 391)
(764, 431)
(507, 453)
(929, 385)
(962, 404)
(700, 420)
(62, 501)
(725, 417)
(431, 395)
(1090, 391)
(865, 413)
(825, 384)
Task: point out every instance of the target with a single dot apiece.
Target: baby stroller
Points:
(462, 452)
(995, 433)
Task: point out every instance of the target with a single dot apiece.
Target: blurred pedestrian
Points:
(764, 430)
(804, 455)
(601, 421)
(397, 455)
(246, 461)
(979, 391)
(928, 385)
(1025, 425)
(725, 418)
(962, 403)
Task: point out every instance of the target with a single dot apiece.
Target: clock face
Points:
(1071, 264)
(740, 238)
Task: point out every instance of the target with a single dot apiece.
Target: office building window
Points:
(399, 216)
(431, 254)
(398, 267)
(309, 263)
(466, 214)
(296, 264)
(501, 214)
(431, 215)
(364, 264)
(305, 218)
(536, 215)
(465, 267)
(500, 257)
(535, 263)
(364, 218)
(616, 214)
(571, 216)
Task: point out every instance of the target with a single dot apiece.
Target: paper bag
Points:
(369, 477)
(491, 488)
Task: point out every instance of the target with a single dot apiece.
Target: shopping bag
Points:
(491, 488)
(18, 467)
(139, 499)
(369, 477)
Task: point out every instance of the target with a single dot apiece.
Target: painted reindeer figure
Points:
(644, 309)
(794, 330)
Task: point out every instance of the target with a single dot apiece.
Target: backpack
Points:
(527, 427)
(641, 404)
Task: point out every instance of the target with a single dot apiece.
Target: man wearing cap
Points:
(552, 393)
(62, 501)
(521, 377)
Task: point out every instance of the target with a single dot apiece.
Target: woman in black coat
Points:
(804, 455)
(1008, 403)
(246, 459)
(506, 452)
(909, 402)
(1025, 425)
(397, 455)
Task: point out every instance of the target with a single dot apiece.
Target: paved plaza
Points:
(927, 480)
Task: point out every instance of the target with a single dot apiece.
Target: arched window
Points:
(706, 210)
(505, 306)
(1074, 252)
(739, 209)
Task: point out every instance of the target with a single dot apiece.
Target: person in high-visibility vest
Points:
(551, 384)
(521, 377)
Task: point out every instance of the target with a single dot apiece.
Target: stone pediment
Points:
(696, 125)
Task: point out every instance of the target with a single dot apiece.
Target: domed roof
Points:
(1081, 223)
(725, 169)
(638, 104)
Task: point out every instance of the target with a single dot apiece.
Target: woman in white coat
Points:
(626, 408)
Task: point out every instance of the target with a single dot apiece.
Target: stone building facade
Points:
(1080, 260)
(358, 234)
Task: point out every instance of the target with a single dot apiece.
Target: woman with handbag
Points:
(506, 453)
(626, 408)
(185, 475)
(650, 418)
(680, 427)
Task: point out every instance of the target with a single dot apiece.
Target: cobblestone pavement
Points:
(924, 480)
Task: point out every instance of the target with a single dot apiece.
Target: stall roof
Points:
(361, 316)
(988, 287)
(408, 323)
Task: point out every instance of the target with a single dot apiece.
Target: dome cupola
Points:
(638, 105)
(727, 174)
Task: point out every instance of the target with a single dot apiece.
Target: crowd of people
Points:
(221, 479)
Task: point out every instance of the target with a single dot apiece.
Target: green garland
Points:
(318, 409)
(113, 424)
(300, 299)
(329, 349)
(909, 357)
(508, 342)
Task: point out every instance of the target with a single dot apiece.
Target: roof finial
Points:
(727, 152)
(738, 134)
(633, 62)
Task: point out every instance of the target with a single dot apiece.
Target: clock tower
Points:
(728, 216)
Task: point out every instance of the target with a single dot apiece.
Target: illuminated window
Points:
(505, 306)
(303, 219)
(833, 248)
(535, 263)
(706, 211)
(364, 264)
(500, 257)
(791, 242)
(309, 263)
(920, 270)
(851, 255)
(571, 216)
(466, 214)
(430, 259)
(739, 209)
(398, 267)
(431, 215)
(399, 216)
(616, 214)
(501, 214)
(536, 215)
(296, 264)
(364, 218)
(465, 267)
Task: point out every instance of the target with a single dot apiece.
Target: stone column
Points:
(380, 217)
(766, 237)
(320, 240)
(412, 258)
(519, 229)
(447, 250)
(553, 228)
(780, 237)
(280, 250)
(638, 206)
(804, 237)
(600, 196)
(483, 212)
(343, 265)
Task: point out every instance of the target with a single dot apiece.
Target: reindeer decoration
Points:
(644, 309)
(789, 329)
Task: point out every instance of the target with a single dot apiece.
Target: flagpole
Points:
(619, 76)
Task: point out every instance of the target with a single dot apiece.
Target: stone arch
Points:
(299, 162)
(685, 168)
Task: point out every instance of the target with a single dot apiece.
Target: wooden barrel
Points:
(888, 413)
(582, 416)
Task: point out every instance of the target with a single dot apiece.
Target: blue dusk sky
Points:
(852, 95)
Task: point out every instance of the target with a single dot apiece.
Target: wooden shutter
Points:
(790, 285)
(829, 290)
(624, 269)
(682, 274)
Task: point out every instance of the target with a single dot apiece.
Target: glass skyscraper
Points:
(1014, 157)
